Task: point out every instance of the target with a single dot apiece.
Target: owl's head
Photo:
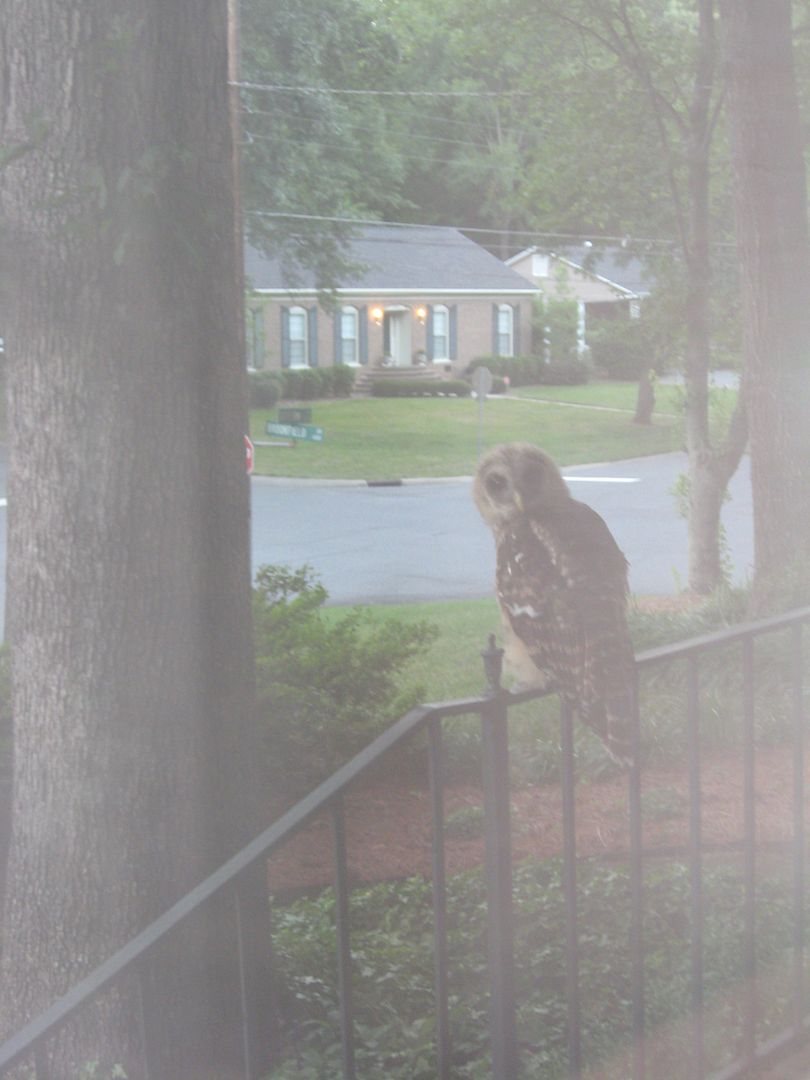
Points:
(514, 479)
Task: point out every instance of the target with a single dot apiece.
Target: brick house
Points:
(422, 297)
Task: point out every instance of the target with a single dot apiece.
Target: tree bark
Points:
(128, 609)
(710, 467)
(770, 196)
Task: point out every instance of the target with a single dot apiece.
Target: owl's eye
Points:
(495, 483)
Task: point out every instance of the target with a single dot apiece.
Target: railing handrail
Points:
(680, 649)
(20, 1044)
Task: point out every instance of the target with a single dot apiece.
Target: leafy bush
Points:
(265, 389)
(555, 323)
(312, 384)
(342, 380)
(621, 348)
(574, 372)
(533, 370)
(420, 388)
(392, 957)
(520, 370)
(325, 688)
(306, 384)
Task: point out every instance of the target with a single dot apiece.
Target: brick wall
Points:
(473, 315)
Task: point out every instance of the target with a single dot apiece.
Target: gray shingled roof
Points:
(436, 259)
(614, 264)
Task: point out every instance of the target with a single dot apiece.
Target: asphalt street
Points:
(425, 540)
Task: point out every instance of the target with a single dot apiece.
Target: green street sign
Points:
(295, 431)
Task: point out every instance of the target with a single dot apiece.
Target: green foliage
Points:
(265, 389)
(392, 956)
(342, 380)
(326, 687)
(574, 372)
(304, 384)
(309, 152)
(620, 348)
(307, 384)
(534, 370)
(421, 388)
(555, 324)
(520, 370)
(94, 1070)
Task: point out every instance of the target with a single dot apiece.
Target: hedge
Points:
(533, 370)
(306, 384)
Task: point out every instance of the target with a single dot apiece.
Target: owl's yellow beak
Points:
(518, 501)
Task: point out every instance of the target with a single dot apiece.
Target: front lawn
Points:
(388, 439)
(610, 394)
(615, 394)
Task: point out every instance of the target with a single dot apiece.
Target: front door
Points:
(398, 337)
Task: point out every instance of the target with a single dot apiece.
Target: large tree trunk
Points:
(128, 565)
(772, 231)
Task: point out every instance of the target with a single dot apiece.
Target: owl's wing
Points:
(531, 593)
(599, 667)
(582, 549)
(562, 584)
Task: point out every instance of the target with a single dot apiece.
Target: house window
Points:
(299, 343)
(540, 266)
(505, 332)
(349, 352)
(441, 332)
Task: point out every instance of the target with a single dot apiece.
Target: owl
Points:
(562, 589)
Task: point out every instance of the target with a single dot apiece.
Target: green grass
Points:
(387, 439)
(614, 394)
(607, 394)
(452, 668)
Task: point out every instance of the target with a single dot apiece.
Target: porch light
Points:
(377, 315)
(421, 314)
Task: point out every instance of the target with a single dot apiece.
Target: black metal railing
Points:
(31, 1044)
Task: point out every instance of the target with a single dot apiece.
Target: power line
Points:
(424, 159)
(586, 239)
(274, 88)
(396, 103)
(573, 238)
(363, 127)
(438, 118)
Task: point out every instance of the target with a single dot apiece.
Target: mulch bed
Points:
(389, 829)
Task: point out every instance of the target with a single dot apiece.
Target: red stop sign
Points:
(248, 455)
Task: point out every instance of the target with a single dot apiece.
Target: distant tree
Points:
(315, 153)
(128, 608)
(770, 187)
(670, 51)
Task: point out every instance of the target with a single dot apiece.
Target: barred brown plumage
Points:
(562, 589)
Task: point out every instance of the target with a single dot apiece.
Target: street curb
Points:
(300, 481)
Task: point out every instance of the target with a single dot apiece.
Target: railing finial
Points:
(493, 663)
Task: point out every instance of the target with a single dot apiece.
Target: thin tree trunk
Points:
(772, 231)
(128, 565)
(710, 468)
